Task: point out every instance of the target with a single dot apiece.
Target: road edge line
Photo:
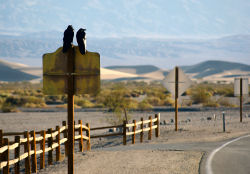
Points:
(208, 165)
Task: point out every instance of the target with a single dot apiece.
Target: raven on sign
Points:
(68, 38)
(81, 40)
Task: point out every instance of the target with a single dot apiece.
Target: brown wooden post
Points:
(81, 139)
(17, 155)
(157, 130)
(58, 149)
(124, 133)
(150, 126)
(1, 145)
(42, 147)
(141, 134)
(1, 137)
(33, 156)
(27, 150)
(241, 99)
(70, 69)
(176, 96)
(6, 156)
(88, 135)
(50, 142)
(65, 135)
(134, 128)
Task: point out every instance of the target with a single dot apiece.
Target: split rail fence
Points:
(54, 139)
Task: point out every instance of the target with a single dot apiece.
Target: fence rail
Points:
(50, 138)
(141, 127)
(53, 139)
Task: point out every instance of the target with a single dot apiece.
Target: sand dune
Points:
(12, 64)
(226, 76)
(107, 74)
(156, 75)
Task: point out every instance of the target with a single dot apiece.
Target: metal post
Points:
(176, 97)
(241, 99)
(71, 137)
(223, 117)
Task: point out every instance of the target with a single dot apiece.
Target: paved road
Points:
(230, 158)
(226, 157)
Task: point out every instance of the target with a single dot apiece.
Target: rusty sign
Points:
(86, 72)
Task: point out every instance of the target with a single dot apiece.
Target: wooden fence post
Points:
(157, 130)
(134, 128)
(65, 135)
(1, 137)
(27, 150)
(17, 154)
(81, 139)
(1, 145)
(33, 156)
(88, 135)
(124, 133)
(150, 126)
(6, 156)
(42, 147)
(58, 149)
(50, 142)
(141, 134)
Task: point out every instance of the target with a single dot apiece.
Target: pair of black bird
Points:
(68, 39)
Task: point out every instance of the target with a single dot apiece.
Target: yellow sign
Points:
(86, 72)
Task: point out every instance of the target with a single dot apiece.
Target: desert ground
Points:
(202, 126)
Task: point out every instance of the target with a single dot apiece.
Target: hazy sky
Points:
(118, 18)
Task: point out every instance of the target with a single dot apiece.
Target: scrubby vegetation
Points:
(117, 97)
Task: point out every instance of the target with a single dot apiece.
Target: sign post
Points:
(176, 82)
(71, 73)
(71, 63)
(176, 96)
(241, 100)
(241, 89)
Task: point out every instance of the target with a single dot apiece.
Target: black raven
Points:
(68, 38)
(81, 40)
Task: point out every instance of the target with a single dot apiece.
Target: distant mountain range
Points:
(212, 71)
(11, 72)
(163, 53)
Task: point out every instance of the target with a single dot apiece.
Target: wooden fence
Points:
(141, 127)
(53, 139)
(50, 138)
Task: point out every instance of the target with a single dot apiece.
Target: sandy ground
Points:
(133, 161)
(193, 127)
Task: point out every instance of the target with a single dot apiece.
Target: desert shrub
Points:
(211, 103)
(35, 105)
(115, 118)
(144, 105)
(168, 101)
(155, 101)
(55, 99)
(7, 107)
(200, 94)
(225, 90)
(22, 101)
(117, 101)
(84, 103)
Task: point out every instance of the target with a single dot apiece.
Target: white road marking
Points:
(210, 158)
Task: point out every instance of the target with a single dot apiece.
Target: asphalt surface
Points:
(230, 156)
